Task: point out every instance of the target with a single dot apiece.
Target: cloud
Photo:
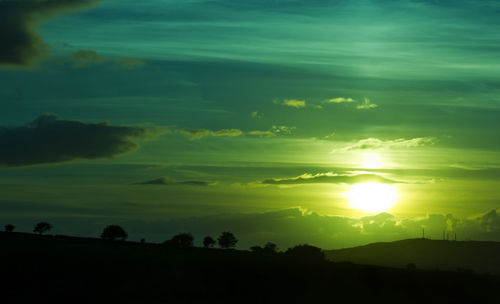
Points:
(200, 133)
(21, 46)
(84, 58)
(292, 103)
(170, 181)
(256, 115)
(375, 143)
(49, 139)
(330, 178)
(366, 105)
(128, 63)
(466, 167)
(262, 133)
(282, 130)
(340, 100)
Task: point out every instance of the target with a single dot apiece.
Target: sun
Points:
(372, 197)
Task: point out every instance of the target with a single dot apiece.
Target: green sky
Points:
(257, 117)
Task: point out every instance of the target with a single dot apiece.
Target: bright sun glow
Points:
(371, 161)
(372, 197)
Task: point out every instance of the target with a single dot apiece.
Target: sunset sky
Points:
(258, 117)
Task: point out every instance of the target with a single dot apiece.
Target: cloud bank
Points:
(20, 45)
(49, 139)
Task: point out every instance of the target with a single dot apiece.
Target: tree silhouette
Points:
(9, 228)
(42, 227)
(182, 240)
(113, 232)
(208, 242)
(306, 253)
(270, 248)
(227, 240)
(256, 249)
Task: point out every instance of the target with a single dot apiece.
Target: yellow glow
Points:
(371, 161)
(372, 197)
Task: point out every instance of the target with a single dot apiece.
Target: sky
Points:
(258, 117)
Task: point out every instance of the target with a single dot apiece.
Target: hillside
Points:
(482, 257)
(58, 269)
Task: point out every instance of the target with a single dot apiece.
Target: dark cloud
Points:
(330, 178)
(20, 45)
(51, 140)
(171, 181)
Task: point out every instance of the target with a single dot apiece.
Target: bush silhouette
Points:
(208, 242)
(113, 232)
(306, 253)
(42, 227)
(227, 240)
(9, 228)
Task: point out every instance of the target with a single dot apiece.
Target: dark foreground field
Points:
(47, 269)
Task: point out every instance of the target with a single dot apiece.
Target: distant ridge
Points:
(481, 257)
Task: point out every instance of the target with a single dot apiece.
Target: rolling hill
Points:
(482, 257)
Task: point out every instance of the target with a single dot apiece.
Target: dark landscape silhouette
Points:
(63, 269)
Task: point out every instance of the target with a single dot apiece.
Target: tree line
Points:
(227, 240)
(116, 232)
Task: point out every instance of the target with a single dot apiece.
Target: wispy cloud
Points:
(84, 58)
(375, 143)
(366, 104)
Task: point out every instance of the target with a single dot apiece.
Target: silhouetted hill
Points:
(483, 257)
(59, 269)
